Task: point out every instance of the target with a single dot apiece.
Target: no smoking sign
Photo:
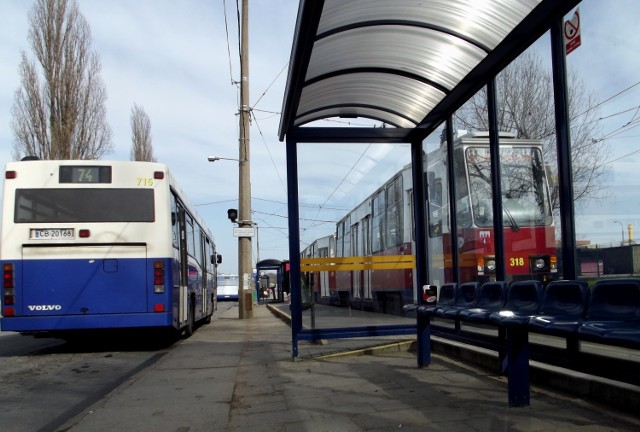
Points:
(571, 32)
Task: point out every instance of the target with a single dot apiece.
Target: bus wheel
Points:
(188, 330)
(207, 319)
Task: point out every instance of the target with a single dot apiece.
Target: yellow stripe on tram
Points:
(379, 262)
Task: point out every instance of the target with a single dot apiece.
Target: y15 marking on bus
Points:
(145, 181)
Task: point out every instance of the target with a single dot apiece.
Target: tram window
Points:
(463, 207)
(347, 236)
(394, 213)
(340, 236)
(377, 223)
(435, 205)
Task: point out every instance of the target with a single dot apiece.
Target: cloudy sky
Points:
(179, 61)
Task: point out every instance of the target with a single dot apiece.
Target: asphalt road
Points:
(45, 382)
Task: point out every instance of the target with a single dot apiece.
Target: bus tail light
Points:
(158, 175)
(9, 289)
(84, 233)
(553, 263)
(158, 277)
(10, 175)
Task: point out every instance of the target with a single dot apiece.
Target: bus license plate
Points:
(51, 234)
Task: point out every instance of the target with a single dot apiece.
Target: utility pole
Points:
(245, 269)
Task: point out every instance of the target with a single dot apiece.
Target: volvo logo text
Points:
(44, 307)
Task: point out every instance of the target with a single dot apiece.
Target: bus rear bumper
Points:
(85, 322)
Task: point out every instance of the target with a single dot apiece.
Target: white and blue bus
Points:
(228, 286)
(92, 245)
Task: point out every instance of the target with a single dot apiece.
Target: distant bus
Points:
(228, 287)
(89, 245)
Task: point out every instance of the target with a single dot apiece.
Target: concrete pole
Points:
(245, 269)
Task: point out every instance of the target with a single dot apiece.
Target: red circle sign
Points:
(572, 27)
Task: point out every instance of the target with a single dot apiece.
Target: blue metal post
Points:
(563, 145)
(496, 180)
(294, 245)
(518, 366)
(421, 253)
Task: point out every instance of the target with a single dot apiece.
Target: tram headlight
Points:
(539, 263)
(490, 265)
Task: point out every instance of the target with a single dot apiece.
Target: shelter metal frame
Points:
(544, 15)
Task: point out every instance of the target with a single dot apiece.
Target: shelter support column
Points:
(294, 245)
(421, 252)
(563, 146)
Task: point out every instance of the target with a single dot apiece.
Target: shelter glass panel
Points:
(604, 89)
(358, 195)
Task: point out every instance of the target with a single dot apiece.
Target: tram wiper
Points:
(512, 220)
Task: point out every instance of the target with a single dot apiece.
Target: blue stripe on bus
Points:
(89, 322)
(64, 294)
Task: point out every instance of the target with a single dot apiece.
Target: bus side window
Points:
(434, 201)
(175, 227)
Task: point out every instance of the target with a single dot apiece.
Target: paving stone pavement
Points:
(238, 375)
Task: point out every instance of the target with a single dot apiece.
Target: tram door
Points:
(355, 274)
(323, 252)
(366, 251)
(413, 242)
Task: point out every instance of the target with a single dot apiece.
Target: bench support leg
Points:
(424, 340)
(518, 366)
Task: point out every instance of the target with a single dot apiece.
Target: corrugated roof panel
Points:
(405, 62)
(484, 21)
(394, 94)
(390, 119)
(429, 55)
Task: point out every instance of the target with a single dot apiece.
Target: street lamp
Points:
(217, 158)
(621, 231)
(239, 217)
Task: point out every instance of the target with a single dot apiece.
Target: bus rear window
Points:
(84, 205)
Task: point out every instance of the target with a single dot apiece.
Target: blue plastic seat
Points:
(523, 302)
(491, 298)
(564, 304)
(466, 297)
(613, 315)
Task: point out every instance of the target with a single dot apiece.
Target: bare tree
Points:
(141, 148)
(525, 107)
(59, 112)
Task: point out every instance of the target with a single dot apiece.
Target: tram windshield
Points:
(525, 195)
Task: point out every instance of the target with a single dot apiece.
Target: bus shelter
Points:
(408, 65)
(271, 281)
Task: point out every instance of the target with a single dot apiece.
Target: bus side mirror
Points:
(216, 259)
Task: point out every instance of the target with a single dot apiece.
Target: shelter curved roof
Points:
(405, 63)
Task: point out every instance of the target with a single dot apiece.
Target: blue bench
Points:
(613, 314)
(491, 298)
(608, 313)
